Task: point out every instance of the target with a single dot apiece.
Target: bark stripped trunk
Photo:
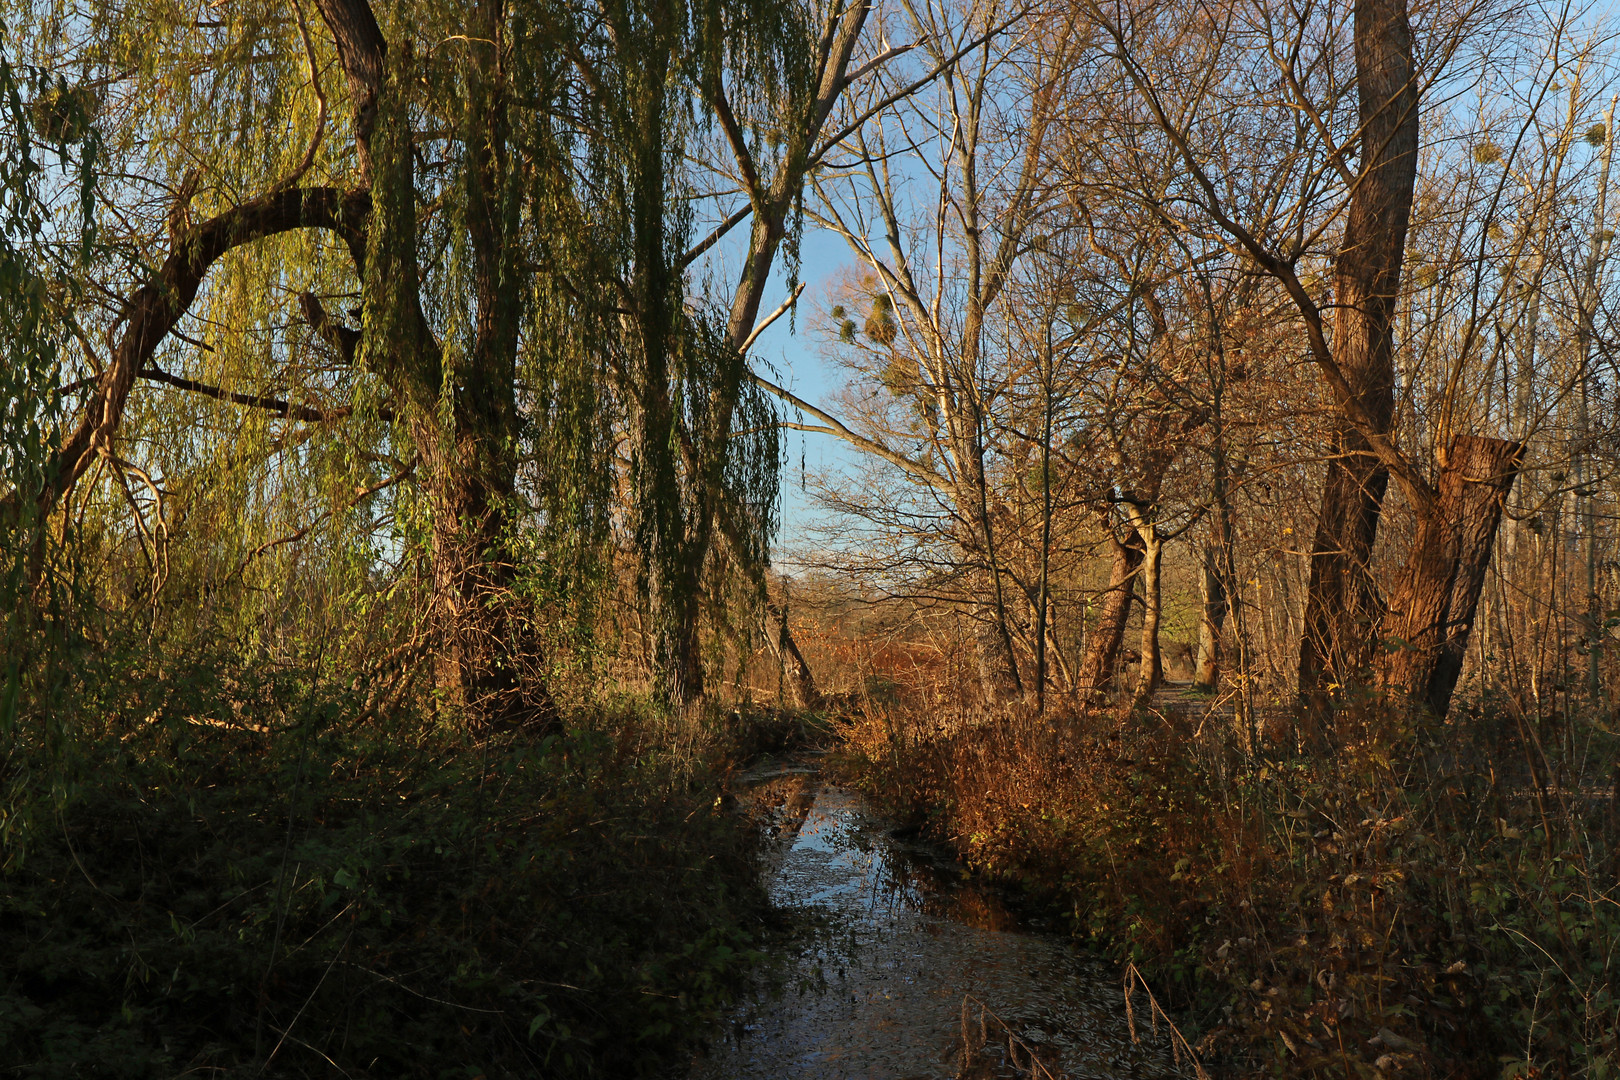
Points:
(1342, 610)
(1101, 659)
(1431, 609)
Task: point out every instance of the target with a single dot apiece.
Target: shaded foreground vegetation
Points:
(1412, 898)
(217, 869)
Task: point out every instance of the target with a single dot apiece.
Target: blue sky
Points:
(793, 349)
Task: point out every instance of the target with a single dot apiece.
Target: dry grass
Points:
(1405, 899)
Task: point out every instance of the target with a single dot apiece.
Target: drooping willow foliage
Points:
(702, 439)
(456, 411)
(29, 339)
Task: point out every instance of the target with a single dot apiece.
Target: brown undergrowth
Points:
(1407, 899)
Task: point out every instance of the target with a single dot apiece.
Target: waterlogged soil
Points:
(912, 970)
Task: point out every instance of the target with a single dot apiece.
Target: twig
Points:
(1178, 1042)
(1037, 1069)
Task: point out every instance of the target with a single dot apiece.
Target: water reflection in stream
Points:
(880, 995)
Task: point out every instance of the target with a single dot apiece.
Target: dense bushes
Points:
(1409, 898)
(214, 872)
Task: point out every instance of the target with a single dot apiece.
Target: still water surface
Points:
(916, 973)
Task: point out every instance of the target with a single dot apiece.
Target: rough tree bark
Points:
(1101, 659)
(487, 664)
(1341, 611)
(1431, 608)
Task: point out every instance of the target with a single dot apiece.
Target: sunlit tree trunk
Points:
(1101, 659)
(1342, 608)
(1150, 671)
(1432, 605)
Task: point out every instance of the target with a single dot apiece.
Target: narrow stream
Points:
(916, 972)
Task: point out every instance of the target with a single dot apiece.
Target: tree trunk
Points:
(1213, 579)
(1342, 609)
(795, 669)
(488, 666)
(1431, 611)
(773, 199)
(1211, 623)
(1101, 657)
(1150, 673)
(998, 667)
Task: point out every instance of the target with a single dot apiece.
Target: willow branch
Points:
(153, 311)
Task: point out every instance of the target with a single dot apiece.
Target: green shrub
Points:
(223, 872)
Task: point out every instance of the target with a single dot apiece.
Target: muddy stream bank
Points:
(914, 970)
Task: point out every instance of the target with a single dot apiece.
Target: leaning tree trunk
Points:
(1342, 609)
(1103, 643)
(794, 668)
(1431, 609)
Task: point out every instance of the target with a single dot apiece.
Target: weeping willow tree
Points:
(700, 435)
(30, 341)
(383, 289)
(756, 93)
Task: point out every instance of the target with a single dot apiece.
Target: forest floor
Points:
(231, 869)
